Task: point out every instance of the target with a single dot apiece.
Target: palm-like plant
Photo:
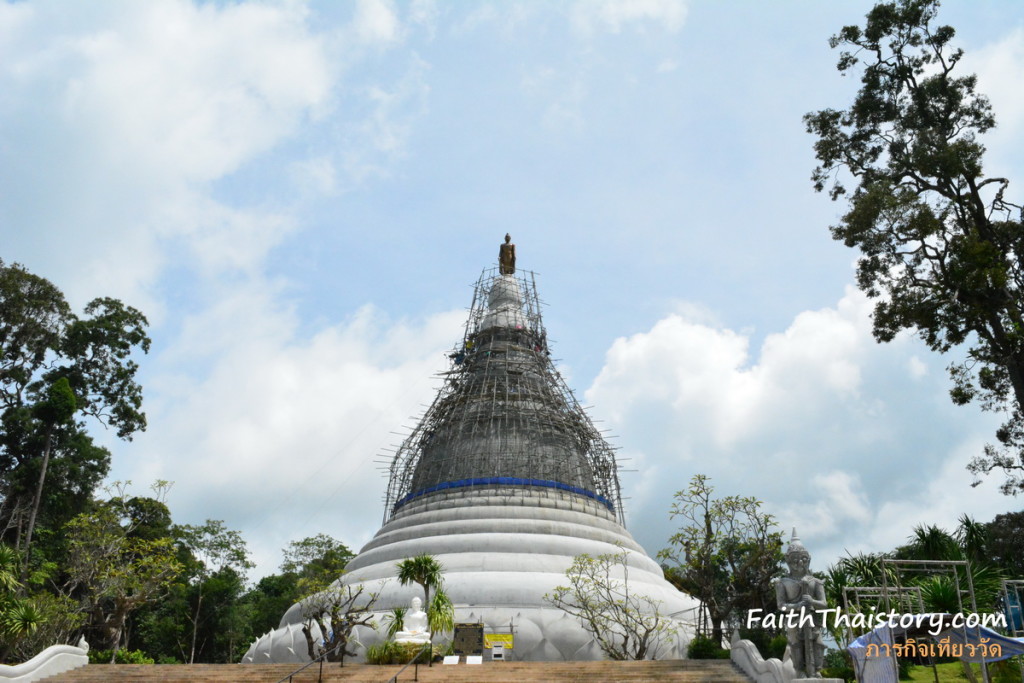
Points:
(395, 620)
(441, 614)
(940, 594)
(933, 543)
(944, 593)
(973, 538)
(866, 569)
(8, 569)
(422, 569)
(863, 570)
(837, 577)
(18, 616)
(988, 584)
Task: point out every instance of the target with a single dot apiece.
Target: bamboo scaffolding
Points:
(504, 410)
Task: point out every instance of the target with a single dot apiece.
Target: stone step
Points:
(674, 671)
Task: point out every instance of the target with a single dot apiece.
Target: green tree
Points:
(310, 563)
(58, 622)
(319, 558)
(1005, 538)
(852, 571)
(111, 572)
(54, 410)
(269, 599)
(335, 610)
(940, 242)
(931, 542)
(625, 625)
(726, 555)
(940, 587)
(55, 367)
(223, 623)
(218, 558)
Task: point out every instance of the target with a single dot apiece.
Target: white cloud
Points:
(117, 117)
(561, 95)
(841, 504)
(376, 22)
(1000, 70)
(565, 114)
(381, 134)
(667, 66)
(616, 15)
(387, 131)
(120, 123)
(697, 313)
(187, 93)
(506, 17)
(482, 15)
(821, 423)
(425, 13)
(940, 499)
(316, 175)
(705, 370)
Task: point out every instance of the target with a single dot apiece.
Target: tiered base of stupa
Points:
(503, 548)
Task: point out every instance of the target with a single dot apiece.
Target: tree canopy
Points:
(424, 570)
(55, 368)
(316, 560)
(941, 243)
(726, 554)
(219, 559)
(110, 570)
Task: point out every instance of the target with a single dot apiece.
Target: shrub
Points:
(767, 644)
(382, 653)
(123, 657)
(838, 665)
(702, 647)
(390, 652)
(1006, 671)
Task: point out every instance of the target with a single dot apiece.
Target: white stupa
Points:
(504, 480)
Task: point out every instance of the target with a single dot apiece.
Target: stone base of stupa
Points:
(503, 550)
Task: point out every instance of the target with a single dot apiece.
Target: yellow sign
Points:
(503, 639)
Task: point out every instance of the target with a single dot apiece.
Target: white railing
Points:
(54, 660)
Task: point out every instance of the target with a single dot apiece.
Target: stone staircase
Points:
(675, 671)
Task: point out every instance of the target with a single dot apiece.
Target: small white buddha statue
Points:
(415, 623)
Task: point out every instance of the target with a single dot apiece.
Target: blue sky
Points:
(299, 195)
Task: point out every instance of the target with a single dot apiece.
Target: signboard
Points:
(503, 639)
(469, 639)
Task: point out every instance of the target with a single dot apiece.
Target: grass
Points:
(953, 672)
